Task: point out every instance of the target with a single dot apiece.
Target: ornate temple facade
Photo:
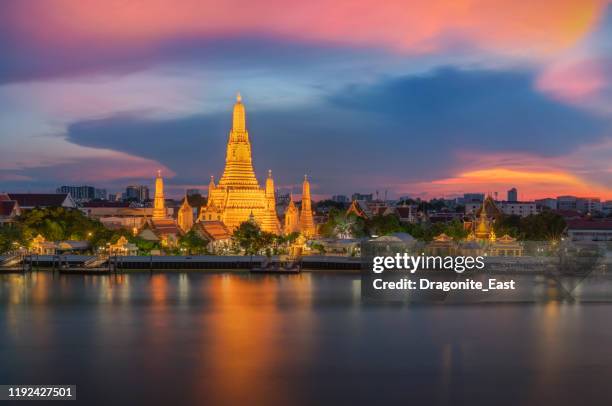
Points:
(185, 216)
(238, 195)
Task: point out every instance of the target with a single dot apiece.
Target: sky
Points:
(426, 98)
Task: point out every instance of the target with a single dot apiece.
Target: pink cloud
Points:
(575, 81)
(415, 26)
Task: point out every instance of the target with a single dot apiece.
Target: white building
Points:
(522, 209)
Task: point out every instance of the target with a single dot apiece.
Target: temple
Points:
(185, 216)
(307, 226)
(238, 195)
(161, 227)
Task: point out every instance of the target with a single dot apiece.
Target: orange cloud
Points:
(417, 26)
(584, 172)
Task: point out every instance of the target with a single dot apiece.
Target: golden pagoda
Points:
(238, 194)
(307, 226)
(185, 216)
(161, 227)
(159, 202)
(292, 218)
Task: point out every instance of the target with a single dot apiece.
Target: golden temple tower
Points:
(185, 216)
(307, 226)
(238, 195)
(159, 203)
(292, 218)
(270, 221)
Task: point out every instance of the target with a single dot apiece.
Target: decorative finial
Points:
(305, 177)
(212, 178)
(159, 173)
(238, 97)
(269, 173)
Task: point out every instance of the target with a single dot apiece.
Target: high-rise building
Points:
(512, 195)
(79, 193)
(193, 192)
(139, 193)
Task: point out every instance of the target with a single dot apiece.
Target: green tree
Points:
(384, 225)
(192, 243)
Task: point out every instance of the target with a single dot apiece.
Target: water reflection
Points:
(238, 338)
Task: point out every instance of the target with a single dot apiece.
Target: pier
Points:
(88, 264)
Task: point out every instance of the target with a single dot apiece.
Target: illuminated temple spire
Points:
(238, 162)
(270, 222)
(307, 226)
(159, 204)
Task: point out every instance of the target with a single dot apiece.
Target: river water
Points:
(236, 338)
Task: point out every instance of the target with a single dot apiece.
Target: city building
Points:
(566, 202)
(43, 200)
(193, 192)
(589, 230)
(472, 198)
(365, 197)
(83, 193)
(588, 205)
(583, 205)
(546, 203)
(139, 193)
(522, 209)
(512, 195)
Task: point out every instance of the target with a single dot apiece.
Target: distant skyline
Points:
(425, 98)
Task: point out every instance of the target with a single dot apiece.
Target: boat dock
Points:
(88, 264)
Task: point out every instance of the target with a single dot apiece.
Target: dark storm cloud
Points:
(366, 136)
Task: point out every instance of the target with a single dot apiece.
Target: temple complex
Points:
(238, 197)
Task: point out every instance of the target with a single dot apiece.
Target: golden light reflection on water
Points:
(251, 335)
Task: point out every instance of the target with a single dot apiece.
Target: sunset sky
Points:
(423, 98)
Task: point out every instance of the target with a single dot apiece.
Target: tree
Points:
(192, 243)
(248, 237)
(10, 238)
(384, 225)
(543, 226)
(343, 225)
